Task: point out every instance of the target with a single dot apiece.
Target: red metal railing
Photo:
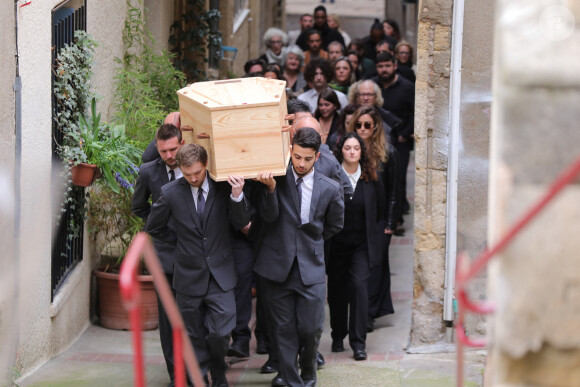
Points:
(466, 270)
(131, 296)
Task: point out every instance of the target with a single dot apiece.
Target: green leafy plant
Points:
(72, 91)
(145, 81)
(111, 219)
(72, 86)
(107, 146)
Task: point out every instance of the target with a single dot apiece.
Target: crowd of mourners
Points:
(320, 233)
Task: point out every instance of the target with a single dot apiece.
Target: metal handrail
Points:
(467, 270)
(131, 296)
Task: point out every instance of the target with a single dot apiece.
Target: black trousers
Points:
(244, 261)
(404, 150)
(379, 285)
(296, 318)
(261, 331)
(166, 332)
(348, 274)
(209, 319)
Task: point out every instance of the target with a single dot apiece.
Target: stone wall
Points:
(536, 281)
(432, 125)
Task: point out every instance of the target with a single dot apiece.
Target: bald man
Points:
(327, 163)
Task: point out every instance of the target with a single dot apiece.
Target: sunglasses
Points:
(367, 125)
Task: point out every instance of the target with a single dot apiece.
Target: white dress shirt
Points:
(205, 187)
(311, 96)
(307, 186)
(353, 177)
(177, 172)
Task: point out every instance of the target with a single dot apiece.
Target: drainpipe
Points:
(453, 162)
(17, 177)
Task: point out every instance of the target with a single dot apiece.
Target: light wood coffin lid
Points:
(240, 122)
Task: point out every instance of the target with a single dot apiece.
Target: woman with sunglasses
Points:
(343, 75)
(367, 123)
(327, 113)
(356, 248)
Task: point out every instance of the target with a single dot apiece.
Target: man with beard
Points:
(300, 210)
(320, 24)
(152, 176)
(204, 275)
(306, 23)
(399, 98)
(314, 47)
(317, 74)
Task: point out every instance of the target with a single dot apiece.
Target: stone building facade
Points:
(433, 147)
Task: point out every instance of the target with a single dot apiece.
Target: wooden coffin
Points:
(240, 122)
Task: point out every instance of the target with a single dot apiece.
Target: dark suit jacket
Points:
(375, 213)
(150, 153)
(152, 176)
(285, 238)
(390, 177)
(201, 251)
(329, 166)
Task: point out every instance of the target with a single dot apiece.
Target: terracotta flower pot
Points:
(84, 175)
(113, 314)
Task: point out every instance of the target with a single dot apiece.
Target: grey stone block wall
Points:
(432, 123)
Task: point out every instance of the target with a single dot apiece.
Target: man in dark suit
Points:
(300, 211)
(152, 176)
(204, 274)
(328, 166)
(399, 98)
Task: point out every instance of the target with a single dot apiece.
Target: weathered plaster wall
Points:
(35, 65)
(105, 22)
(536, 281)
(160, 17)
(46, 328)
(7, 141)
(432, 147)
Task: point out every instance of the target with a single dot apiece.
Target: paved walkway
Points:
(103, 357)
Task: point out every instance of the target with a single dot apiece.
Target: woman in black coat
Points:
(367, 123)
(355, 249)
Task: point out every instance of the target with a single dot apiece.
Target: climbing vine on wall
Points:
(196, 40)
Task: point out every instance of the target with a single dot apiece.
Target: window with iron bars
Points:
(67, 249)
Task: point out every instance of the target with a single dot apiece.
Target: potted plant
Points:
(111, 220)
(106, 147)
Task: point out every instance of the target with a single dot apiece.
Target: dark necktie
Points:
(200, 204)
(172, 173)
(299, 189)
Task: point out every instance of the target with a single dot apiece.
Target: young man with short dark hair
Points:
(301, 210)
(152, 176)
